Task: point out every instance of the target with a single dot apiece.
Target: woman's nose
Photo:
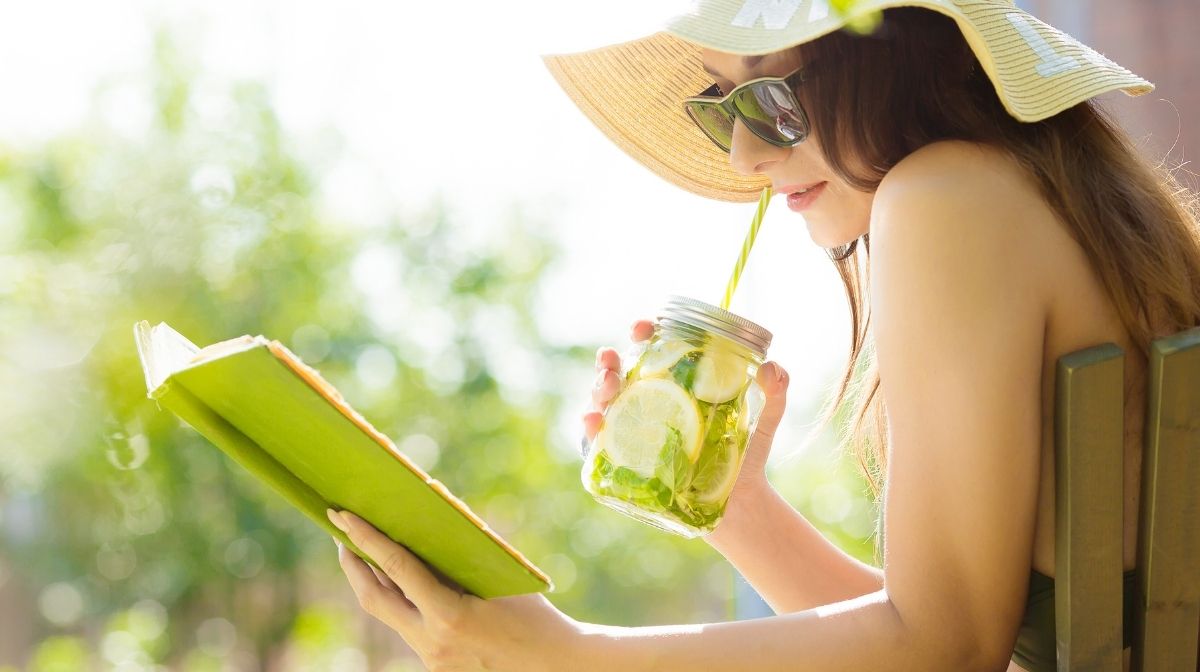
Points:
(750, 154)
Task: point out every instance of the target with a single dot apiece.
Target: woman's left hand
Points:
(448, 628)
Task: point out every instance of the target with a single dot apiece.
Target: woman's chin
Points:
(827, 239)
(830, 237)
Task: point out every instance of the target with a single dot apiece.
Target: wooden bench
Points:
(1088, 475)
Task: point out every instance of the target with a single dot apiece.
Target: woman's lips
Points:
(801, 201)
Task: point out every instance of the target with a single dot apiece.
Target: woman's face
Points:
(839, 213)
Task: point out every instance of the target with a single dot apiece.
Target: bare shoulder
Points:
(958, 162)
(973, 198)
(958, 173)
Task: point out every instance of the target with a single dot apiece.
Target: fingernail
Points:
(600, 379)
(599, 351)
(337, 519)
(778, 373)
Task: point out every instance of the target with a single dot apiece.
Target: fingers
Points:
(386, 581)
(608, 358)
(408, 572)
(375, 598)
(773, 380)
(641, 330)
(591, 424)
(608, 378)
(608, 383)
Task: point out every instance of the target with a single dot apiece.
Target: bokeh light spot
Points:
(311, 343)
(657, 562)
(126, 452)
(147, 619)
(116, 561)
(213, 185)
(244, 557)
(59, 654)
(61, 603)
(561, 570)
(349, 659)
(216, 637)
(831, 503)
(422, 448)
(375, 367)
(146, 519)
(119, 647)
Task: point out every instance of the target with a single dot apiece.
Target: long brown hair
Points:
(875, 99)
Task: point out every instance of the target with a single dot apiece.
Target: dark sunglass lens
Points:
(779, 102)
(714, 121)
(773, 113)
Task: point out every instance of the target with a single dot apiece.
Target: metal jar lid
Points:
(719, 321)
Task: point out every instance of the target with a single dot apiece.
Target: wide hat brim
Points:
(634, 91)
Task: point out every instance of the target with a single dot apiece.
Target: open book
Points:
(282, 422)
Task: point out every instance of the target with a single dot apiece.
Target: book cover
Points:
(282, 422)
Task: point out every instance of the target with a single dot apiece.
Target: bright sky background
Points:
(363, 67)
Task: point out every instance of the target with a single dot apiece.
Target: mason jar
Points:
(672, 440)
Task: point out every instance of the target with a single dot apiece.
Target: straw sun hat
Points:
(634, 91)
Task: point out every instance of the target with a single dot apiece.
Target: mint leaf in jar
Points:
(684, 370)
(674, 467)
(722, 419)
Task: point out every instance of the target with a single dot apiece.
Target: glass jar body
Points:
(672, 441)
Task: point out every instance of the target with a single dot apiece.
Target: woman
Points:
(1003, 221)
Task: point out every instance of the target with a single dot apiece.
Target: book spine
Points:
(247, 453)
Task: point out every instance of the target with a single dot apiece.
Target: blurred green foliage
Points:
(125, 538)
(863, 23)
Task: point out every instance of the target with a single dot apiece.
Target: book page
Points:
(164, 351)
(223, 348)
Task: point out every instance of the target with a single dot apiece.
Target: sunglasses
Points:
(767, 106)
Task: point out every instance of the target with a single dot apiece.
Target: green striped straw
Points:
(763, 199)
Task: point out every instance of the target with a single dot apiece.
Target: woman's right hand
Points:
(771, 378)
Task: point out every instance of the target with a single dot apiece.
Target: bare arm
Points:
(787, 560)
(860, 634)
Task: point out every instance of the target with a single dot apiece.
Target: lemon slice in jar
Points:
(637, 425)
(720, 482)
(662, 356)
(720, 375)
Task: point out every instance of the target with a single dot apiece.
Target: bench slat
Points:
(1168, 613)
(1088, 479)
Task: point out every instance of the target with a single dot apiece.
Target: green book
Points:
(282, 422)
